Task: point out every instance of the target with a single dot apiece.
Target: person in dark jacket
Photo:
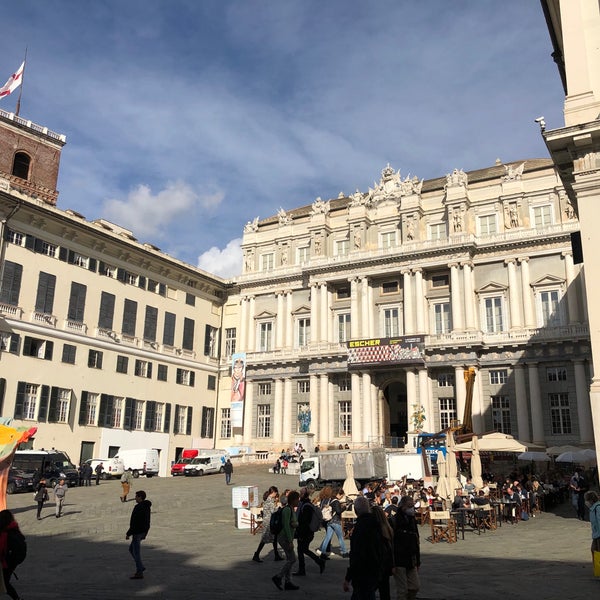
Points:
(139, 525)
(41, 496)
(407, 551)
(366, 561)
(305, 535)
(7, 523)
(228, 470)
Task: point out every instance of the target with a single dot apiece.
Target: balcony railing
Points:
(8, 310)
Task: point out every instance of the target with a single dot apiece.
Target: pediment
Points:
(264, 315)
(491, 287)
(301, 310)
(548, 280)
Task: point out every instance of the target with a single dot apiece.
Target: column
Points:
(571, 288)
(323, 434)
(522, 406)
(371, 302)
(286, 436)
(367, 408)
(331, 330)
(457, 313)
(513, 295)
(528, 312)
(411, 393)
(356, 409)
(419, 300)
(314, 312)
(354, 316)
(314, 405)
(383, 417)
(333, 430)
(376, 430)
(469, 299)
(243, 324)
(460, 391)
(289, 325)
(425, 398)
(248, 413)
(278, 413)
(323, 320)
(280, 321)
(251, 346)
(584, 407)
(408, 303)
(537, 415)
(365, 307)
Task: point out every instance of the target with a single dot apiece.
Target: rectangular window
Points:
(76, 308)
(498, 376)
(9, 342)
(390, 287)
(190, 299)
(494, 321)
(107, 311)
(44, 301)
(181, 419)
(388, 239)
(188, 334)
(442, 318)
(342, 293)
(487, 225)
(150, 322)
(342, 247)
(117, 412)
(447, 412)
(343, 329)
(303, 332)
(91, 409)
(80, 260)
(185, 377)
(304, 386)
(445, 380)
(122, 364)
(169, 329)
(548, 308)
(143, 368)
(556, 373)
(95, 359)
(48, 249)
(10, 287)
(265, 331)
(211, 342)
(263, 426)
(542, 216)
(68, 354)
(38, 348)
(230, 341)
(437, 231)
(207, 423)
(16, 238)
(439, 281)
(391, 322)
(345, 424)
(107, 270)
(131, 279)
(63, 401)
(211, 382)
(30, 400)
(264, 388)
(157, 420)
(501, 414)
(560, 413)
(129, 317)
(225, 423)
(302, 255)
(345, 384)
(267, 262)
(161, 374)
(138, 414)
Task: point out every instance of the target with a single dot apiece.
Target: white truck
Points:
(404, 464)
(140, 461)
(329, 467)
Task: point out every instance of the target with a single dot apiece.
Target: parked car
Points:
(202, 465)
(19, 481)
(53, 465)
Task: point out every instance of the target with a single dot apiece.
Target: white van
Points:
(204, 464)
(113, 467)
(142, 461)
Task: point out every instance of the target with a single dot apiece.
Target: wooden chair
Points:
(443, 527)
(485, 518)
(422, 515)
(256, 520)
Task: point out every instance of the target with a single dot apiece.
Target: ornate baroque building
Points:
(361, 311)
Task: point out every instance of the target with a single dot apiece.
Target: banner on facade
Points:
(386, 351)
(238, 388)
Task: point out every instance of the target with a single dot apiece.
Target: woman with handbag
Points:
(41, 496)
(331, 507)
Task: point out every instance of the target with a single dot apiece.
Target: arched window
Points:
(21, 165)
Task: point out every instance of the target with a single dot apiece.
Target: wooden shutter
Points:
(11, 283)
(83, 408)
(188, 334)
(188, 427)
(150, 323)
(48, 350)
(169, 329)
(129, 317)
(150, 412)
(52, 410)
(176, 420)
(107, 311)
(44, 398)
(44, 301)
(20, 400)
(77, 302)
(167, 424)
(128, 417)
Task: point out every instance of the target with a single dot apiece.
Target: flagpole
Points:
(18, 108)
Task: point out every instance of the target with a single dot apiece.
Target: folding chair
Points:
(443, 527)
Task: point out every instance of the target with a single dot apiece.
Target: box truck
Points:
(404, 464)
(329, 468)
(141, 461)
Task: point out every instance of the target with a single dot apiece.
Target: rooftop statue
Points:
(284, 219)
(456, 178)
(513, 173)
(251, 226)
(319, 207)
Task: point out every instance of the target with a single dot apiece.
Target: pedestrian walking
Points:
(59, 492)
(87, 474)
(139, 525)
(286, 541)
(407, 552)
(593, 504)
(41, 496)
(228, 470)
(13, 550)
(125, 484)
(80, 474)
(305, 534)
(98, 470)
(270, 498)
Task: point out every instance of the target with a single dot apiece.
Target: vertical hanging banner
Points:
(238, 388)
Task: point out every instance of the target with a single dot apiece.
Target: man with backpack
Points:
(13, 549)
(60, 491)
(309, 521)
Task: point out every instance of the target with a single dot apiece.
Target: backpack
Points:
(16, 547)
(316, 518)
(276, 522)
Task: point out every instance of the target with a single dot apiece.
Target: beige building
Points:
(357, 313)
(574, 27)
(105, 341)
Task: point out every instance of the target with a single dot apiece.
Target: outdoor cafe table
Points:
(508, 510)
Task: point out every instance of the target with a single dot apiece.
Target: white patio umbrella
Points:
(442, 489)
(579, 456)
(534, 456)
(556, 450)
(451, 468)
(476, 470)
(350, 487)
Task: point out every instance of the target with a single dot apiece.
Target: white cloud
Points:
(225, 263)
(148, 214)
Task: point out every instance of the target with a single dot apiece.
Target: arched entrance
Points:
(395, 394)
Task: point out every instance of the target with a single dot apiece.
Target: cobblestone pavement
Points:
(194, 551)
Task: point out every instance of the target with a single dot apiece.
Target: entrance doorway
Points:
(87, 451)
(395, 394)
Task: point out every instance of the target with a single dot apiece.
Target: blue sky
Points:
(187, 118)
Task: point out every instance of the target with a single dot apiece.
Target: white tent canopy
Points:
(493, 442)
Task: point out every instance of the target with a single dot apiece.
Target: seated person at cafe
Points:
(480, 499)
(461, 500)
(428, 496)
(469, 486)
